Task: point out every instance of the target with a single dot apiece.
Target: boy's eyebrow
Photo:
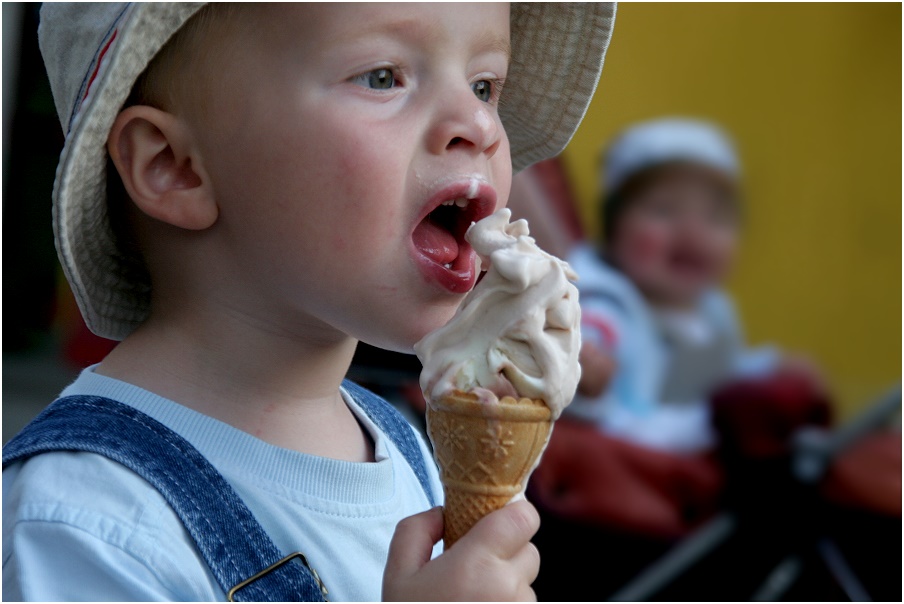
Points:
(492, 41)
(489, 41)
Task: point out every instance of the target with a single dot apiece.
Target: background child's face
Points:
(677, 235)
(336, 133)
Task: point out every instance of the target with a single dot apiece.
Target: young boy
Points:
(274, 193)
(651, 300)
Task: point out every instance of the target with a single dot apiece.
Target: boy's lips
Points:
(438, 237)
(689, 262)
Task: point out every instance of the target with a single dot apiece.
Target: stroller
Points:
(818, 519)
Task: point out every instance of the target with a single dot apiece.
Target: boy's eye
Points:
(483, 90)
(378, 79)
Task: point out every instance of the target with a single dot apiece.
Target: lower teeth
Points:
(448, 265)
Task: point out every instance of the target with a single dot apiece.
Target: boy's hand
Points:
(597, 369)
(495, 560)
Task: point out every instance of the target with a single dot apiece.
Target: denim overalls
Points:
(244, 560)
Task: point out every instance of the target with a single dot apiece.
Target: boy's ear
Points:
(161, 168)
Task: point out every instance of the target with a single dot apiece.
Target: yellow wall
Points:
(812, 92)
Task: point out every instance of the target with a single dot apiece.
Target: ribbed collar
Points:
(229, 448)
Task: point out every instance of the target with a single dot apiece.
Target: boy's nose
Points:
(467, 124)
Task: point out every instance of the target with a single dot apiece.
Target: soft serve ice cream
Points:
(500, 372)
(517, 333)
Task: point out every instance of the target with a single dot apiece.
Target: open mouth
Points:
(439, 237)
(689, 262)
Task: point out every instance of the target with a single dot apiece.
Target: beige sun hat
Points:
(94, 52)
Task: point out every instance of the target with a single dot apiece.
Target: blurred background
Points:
(812, 95)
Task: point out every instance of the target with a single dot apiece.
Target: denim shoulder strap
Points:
(230, 539)
(396, 428)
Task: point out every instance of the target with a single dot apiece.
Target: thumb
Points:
(507, 530)
(412, 544)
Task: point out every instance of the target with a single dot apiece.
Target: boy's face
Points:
(677, 235)
(334, 134)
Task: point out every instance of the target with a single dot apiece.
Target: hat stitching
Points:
(100, 60)
(95, 62)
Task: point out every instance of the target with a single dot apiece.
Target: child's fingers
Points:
(526, 595)
(412, 544)
(527, 563)
(506, 531)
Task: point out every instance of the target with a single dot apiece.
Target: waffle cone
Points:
(485, 453)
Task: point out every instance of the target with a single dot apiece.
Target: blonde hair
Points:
(177, 78)
(180, 73)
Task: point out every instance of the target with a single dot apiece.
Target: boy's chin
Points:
(404, 341)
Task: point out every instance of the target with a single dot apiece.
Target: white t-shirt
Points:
(617, 319)
(78, 526)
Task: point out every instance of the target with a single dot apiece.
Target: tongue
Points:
(435, 242)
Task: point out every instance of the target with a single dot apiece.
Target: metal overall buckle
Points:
(274, 566)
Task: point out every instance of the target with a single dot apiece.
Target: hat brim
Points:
(111, 304)
(558, 50)
(552, 43)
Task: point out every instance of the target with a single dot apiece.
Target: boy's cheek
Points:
(645, 247)
(724, 264)
(502, 171)
(724, 251)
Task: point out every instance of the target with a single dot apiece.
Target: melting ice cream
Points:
(517, 333)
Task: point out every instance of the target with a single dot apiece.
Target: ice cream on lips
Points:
(517, 333)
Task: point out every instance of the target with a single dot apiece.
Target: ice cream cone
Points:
(485, 453)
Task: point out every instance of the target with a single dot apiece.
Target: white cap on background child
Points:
(663, 141)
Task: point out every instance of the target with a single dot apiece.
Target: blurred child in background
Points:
(651, 296)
